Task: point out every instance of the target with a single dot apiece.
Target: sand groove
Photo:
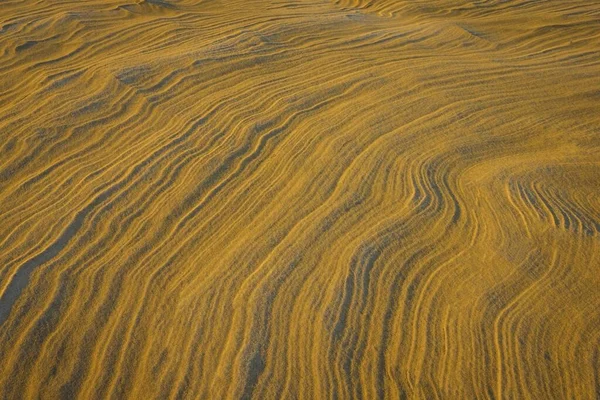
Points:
(300, 199)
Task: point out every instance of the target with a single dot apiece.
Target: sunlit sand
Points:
(309, 199)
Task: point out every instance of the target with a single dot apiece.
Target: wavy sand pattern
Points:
(300, 199)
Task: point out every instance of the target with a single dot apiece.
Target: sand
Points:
(307, 199)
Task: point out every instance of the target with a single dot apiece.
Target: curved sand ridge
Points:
(300, 199)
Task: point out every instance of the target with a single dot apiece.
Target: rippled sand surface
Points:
(308, 199)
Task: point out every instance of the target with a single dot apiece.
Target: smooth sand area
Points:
(300, 199)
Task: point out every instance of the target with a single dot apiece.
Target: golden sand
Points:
(309, 199)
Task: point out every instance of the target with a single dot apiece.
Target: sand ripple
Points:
(300, 199)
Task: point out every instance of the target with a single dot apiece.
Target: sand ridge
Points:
(299, 199)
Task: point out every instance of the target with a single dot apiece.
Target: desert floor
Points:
(303, 199)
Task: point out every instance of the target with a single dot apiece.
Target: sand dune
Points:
(300, 199)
